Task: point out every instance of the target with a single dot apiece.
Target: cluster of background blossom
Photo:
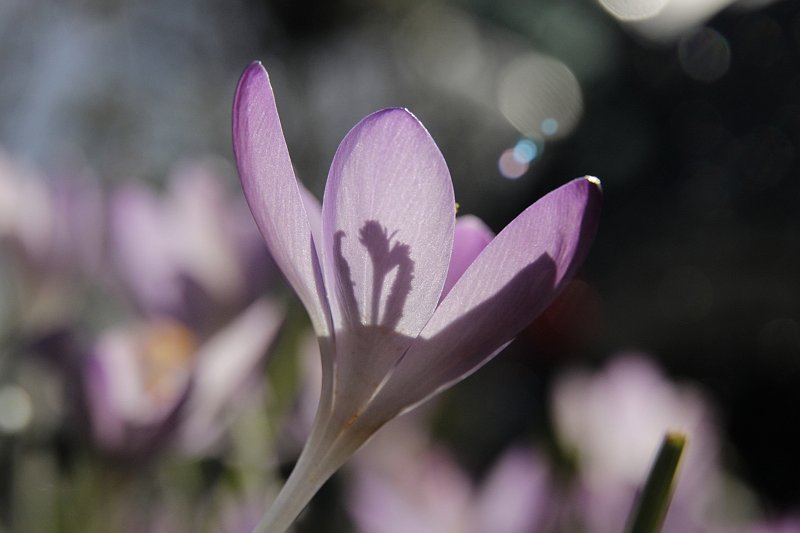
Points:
(140, 390)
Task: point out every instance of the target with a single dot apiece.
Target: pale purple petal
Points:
(515, 497)
(198, 207)
(79, 224)
(141, 242)
(470, 238)
(415, 490)
(505, 288)
(387, 216)
(272, 191)
(226, 364)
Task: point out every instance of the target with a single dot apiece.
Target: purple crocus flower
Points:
(613, 422)
(192, 253)
(153, 383)
(370, 267)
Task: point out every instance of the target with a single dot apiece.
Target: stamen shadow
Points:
(386, 256)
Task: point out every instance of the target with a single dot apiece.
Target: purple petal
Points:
(387, 223)
(504, 289)
(272, 191)
(141, 241)
(199, 211)
(78, 230)
(516, 495)
(470, 238)
(226, 364)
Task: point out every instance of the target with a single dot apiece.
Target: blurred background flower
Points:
(611, 423)
(404, 482)
(688, 111)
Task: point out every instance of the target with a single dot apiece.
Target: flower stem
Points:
(323, 454)
(305, 480)
(650, 510)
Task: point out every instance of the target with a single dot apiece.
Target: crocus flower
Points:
(151, 384)
(370, 267)
(192, 253)
(614, 421)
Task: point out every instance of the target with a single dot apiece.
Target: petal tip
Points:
(395, 113)
(253, 97)
(251, 73)
(594, 180)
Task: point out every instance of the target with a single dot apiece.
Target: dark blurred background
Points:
(692, 122)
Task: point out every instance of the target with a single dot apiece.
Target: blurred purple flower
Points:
(403, 484)
(54, 225)
(194, 254)
(52, 238)
(151, 384)
(614, 422)
(370, 266)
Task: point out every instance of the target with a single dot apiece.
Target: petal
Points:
(272, 191)
(506, 287)
(199, 209)
(141, 239)
(517, 494)
(470, 238)
(226, 363)
(387, 223)
(79, 223)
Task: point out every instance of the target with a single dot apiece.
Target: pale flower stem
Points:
(303, 483)
(324, 454)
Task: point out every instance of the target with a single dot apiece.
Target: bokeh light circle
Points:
(633, 9)
(539, 95)
(704, 54)
(16, 409)
(510, 166)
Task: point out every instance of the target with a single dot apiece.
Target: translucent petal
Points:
(387, 222)
(272, 191)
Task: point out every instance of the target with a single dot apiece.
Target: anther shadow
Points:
(386, 256)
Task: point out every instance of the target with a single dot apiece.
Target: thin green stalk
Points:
(651, 507)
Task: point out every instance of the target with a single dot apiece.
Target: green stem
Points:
(651, 508)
